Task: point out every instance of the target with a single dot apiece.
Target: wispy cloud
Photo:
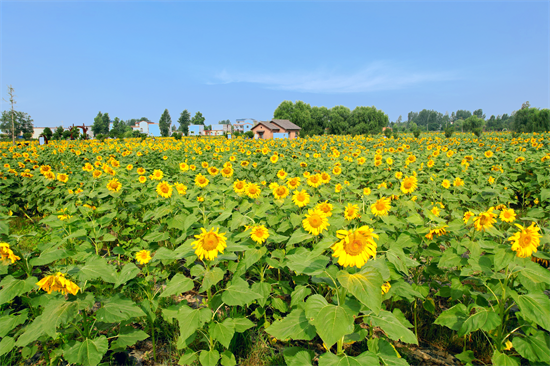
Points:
(375, 77)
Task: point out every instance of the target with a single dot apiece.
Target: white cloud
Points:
(374, 77)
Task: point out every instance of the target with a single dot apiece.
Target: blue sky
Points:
(229, 60)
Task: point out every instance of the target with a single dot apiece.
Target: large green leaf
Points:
(365, 358)
(187, 358)
(128, 336)
(454, 317)
(332, 323)
(536, 308)
(209, 358)
(304, 261)
(95, 267)
(394, 328)
(366, 286)
(296, 356)
(117, 309)
(294, 326)
(189, 319)
(223, 332)
(8, 322)
(238, 293)
(87, 353)
(211, 278)
(314, 304)
(58, 312)
(502, 359)
(484, 319)
(299, 236)
(6, 345)
(12, 287)
(263, 289)
(128, 272)
(240, 324)
(177, 285)
(534, 347)
(299, 294)
(228, 359)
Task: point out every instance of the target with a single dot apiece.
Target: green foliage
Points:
(101, 124)
(449, 132)
(22, 121)
(198, 119)
(164, 123)
(416, 133)
(184, 121)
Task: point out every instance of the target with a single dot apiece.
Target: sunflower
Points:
(366, 191)
(244, 164)
(488, 154)
(314, 180)
(253, 190)
(280, 192)
(399, 175)
(430, 163)
(140, 171)
(273, 185)
(142, 179)
(7, 254)
(467, 216)
(227, 172)
(281, 174)
(436, 231)
(351, 212)
(157, 175)
(325, 177)
(213, 171)
(181, 188)
(58, 283)
(315, 222)
(300, 198)
(338, 188)
(239, 186)
(355, 247)
(259, 233)
(458, 182)
(209, 243)
(143, 256)
(164, 189)
(129, 167)
(409, 184)
(446, 184)
(201, 180)
(204, 164)
(485, 220)
(507, 215)
(325, 207)
(525, 241)
(337, 170)
(114, 185)
(97, 173)
(435, 211)
(184, 167)
(62, 177)
(381, 207)
(520, 159)
(385, 288)
(274, 159)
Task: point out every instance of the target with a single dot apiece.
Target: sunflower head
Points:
(164, 189)
(280, 192)
(526, 241)
(351, 212)
(355, 247)
(507, 215)
(381, 207)
(209, 244)
(409, 184)
(114, 185)
(143, 257)
(301, 198)
(259, 233)
(315, 222)
(485, 220)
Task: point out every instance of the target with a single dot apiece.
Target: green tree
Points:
(298, 113)
(224, 122)
(472, 123)
(198, 119)
(164, 123)
(320, 117)
(184, 121)
(22, 123)
(463, 114)
(106, 123)
(58, 134)
(479, 113)
(47, 133)
(338, 120)
(367, 120)
(99, 124)
(532, 120)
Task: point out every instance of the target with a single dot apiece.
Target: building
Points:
(243, 125)
(276, 128)
(218, 130)
(148, 128)
(196, 130)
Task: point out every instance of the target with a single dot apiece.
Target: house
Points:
(196, 130)
(242, 125)
(276, 128)
(148, 128)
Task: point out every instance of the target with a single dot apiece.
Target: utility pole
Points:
(12, 102)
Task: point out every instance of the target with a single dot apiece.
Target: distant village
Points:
(276, 129)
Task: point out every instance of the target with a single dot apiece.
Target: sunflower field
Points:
(328, 250)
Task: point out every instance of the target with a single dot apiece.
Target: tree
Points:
(106, 123)
(58, 134)
(184, 121)
(99, 126)
(119, 128)
(463, 114)
(367, 120)
(47, 133)
(532, 120)
(164, 123)
(479, 113)
(198, 119)
(320, 117)
(15, 123)
(526, 105)
(224, 122)
(473, 123)
(298, 113)
(5, 124)
(338, 120)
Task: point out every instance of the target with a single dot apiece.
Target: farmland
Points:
(328, 250)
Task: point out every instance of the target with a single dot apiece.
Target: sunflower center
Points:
(355, 245)
(164, 189)
(315, 221)
(483, 219)
(252, 190)
(525, 240)
(280, 191)
(210, 241)
(301, 197)
(407, 184)
(380, 206)
(239, 185)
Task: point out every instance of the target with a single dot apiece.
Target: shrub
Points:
(449, 132)
(477, 131)
(388, 132)
(416, 132)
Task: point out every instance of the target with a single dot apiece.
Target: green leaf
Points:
(545, 194)
(177, 285)
(332, 323)
(117, 309)
(12, 287)
(454, 317)
(393, 327)
(58, 312)
(211, 278)
(187, 358)
(96, 267)
(8, 322)
(87, 353)
(50, 256)
(299, 294)
(483, 319)
(240, 324)
(190, 319)
(263, 289)
(6, 345)
(534, 347)
(502, 359)
(296, 356)
(189, 220)
(156, 236)
(223, 332)
(128, 336)
(228, 359)
(314, 304)
(365, 358)
(294, 326)
(466, 356)
(366, 286)
(238, 293)
(209, 358)
(128, 272)
(299, 236)
(304, 261)
(536, 308)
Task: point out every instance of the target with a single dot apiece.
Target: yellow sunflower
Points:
(485, 220)
(436, 231)
(507, 215)
(385, 288)
(526, 241)
(142, 179)
(259, 233)
(293, 183)
(157, 175)
(201, 180)
(209, 244)
(239, 186)
(253, 190)
(114, 185)
(315, 222)
(58, 283)
(351, 212)
(458, 182)
(184, 167)
(281, 174)
(381, 207)
(338, 188)
(325, 207)
(467, 216)
(301, 198)
(274, 159)
(314, 180)
(164, 189)
(181, 188)
(213, 171)
(409, 184)
(62, 177)
(143, 256)
(7, 254)
(280, 192)
(140, 171)
(446, 184)
(227, 172)
(488, 154)
(355, 247)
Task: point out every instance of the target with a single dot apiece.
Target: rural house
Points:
(276, 128)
